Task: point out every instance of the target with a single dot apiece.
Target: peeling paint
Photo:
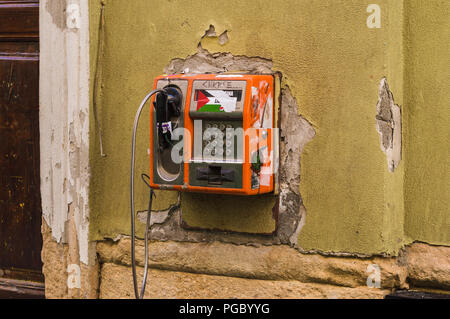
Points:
(64, 130)
(157, 217)
(205, 62)
(389, 126)
(296, 132)
(57, 11)
(223, 38)
(211, 32)
(174, 229)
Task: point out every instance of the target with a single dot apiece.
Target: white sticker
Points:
(222, 98)
(167, 127)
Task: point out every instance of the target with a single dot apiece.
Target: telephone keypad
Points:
(218, 143)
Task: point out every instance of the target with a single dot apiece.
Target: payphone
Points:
(209, 133)
(220, 137)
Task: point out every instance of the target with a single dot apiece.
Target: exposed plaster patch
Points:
(223, 38)
(157, 217)
(296, 132)
(300, 220)
(174, 229)
(389, 125)
(205, 62)
(211, 33)
(57, 260)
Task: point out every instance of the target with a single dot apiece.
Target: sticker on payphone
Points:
(217, 100)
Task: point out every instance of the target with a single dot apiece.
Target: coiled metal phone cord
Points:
(133, 257)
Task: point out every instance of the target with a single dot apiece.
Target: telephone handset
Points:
(167, 106)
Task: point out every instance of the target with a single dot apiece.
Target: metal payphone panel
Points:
(229, 135)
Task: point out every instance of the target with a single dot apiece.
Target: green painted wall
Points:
(427, 180)
(333, 64)
(353, 202)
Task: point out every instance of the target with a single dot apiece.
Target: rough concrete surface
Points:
(296, 132)
(56, 258)
(264, 262)
(266, 271)
(174, 228)
(429, 266)
(169, 284)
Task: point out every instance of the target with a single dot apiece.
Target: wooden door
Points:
(20, 201)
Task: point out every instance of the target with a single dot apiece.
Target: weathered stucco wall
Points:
(332, 63)
(427, 179)
(353, 187)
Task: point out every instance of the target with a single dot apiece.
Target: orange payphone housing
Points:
(221, 139)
